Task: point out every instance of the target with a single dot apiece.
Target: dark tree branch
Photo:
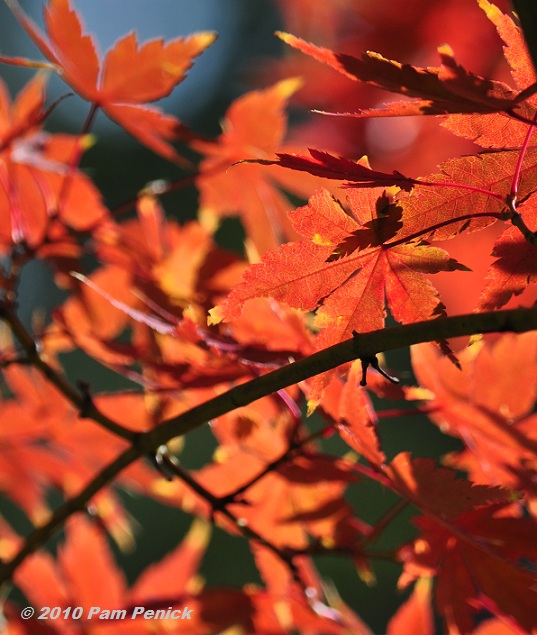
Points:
(362, 346)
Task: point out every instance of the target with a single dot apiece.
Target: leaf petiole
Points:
(373, 362)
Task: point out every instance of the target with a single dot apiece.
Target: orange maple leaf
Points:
(346, 269)
(415, 616)
(488, 405)
(254, 128)
(85, 575)
(33, 170)
(515, 267)
(46, 444)
(129, 76)
(349, 407)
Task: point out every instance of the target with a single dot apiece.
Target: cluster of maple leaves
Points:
(195, 327)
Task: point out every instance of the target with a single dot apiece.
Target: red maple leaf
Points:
(164, 276)
(85, 575)
(347, 270)
(471, 188)
(476, 564)
(515, 266)
(47, 445)
(496, 130)
(299, 501)
(327, 166)
(440, 90)
(129, 76)
(437, 490)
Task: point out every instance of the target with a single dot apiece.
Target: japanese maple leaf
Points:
(448, 88)
(526, 14)
(22, 436)
(160, 269)
(254, 128)
(515, 267)
(129, 76)
(282, 585)
(351, 410)
(297, 501)
(497, 130)
(415, 616)
(86, 575)
(46, 445)
(477, 568)
(437, 490)
(104, 308)
(468, 194)
(488, 404)
(22, 117)
(182, 262)
(347, 269)
(328, 166)
(33, 173)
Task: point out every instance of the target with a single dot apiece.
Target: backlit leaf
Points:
(350, 291)
(441, 90)
(131, 74)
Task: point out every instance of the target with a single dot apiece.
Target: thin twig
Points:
(518, 170)
(518, 222)
(245, 529)
(381, 525)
